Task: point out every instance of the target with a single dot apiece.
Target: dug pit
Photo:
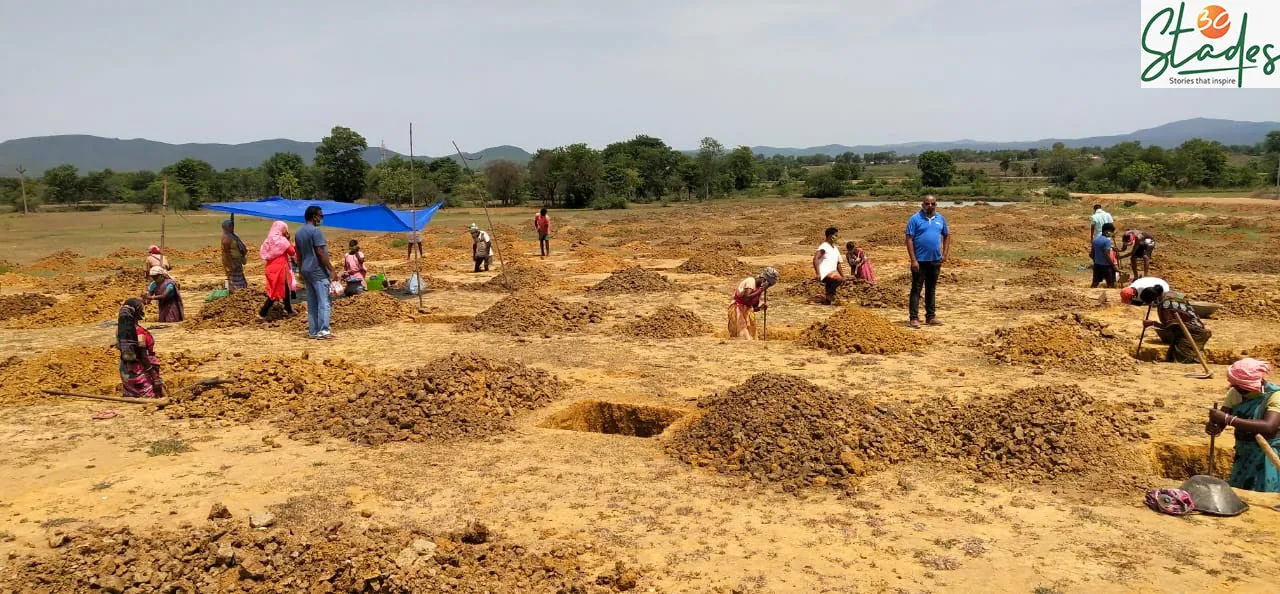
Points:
(1179, 461)
(615, 418)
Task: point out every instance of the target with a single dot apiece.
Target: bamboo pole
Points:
(413, 204)
(484, 201)
(22, 180)
(125, 399)
(164, 207)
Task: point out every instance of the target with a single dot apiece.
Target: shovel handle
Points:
(1266, 449)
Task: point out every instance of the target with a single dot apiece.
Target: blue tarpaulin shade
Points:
(343, 215)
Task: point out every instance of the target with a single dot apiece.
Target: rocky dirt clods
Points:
(856, 330)
(24, 304)
(93, 370)
(632, 280)
(714, 263)
(668, 322)
(526, 312)
(1068, 342)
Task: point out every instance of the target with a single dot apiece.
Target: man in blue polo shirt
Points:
(928, 243)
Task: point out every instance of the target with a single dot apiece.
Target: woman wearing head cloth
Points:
(139, 366)
(164, 290)
(277, 251)
(746, 301)
(233, 257)
(156, 258)
(1253, 409)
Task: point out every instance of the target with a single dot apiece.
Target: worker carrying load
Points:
(1252, 408)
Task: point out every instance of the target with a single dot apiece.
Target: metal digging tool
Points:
(1212, 495)
(125, 399)
(1199, 355)
(1143, 335)
(764, 333)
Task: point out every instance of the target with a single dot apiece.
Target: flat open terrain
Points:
(1006, 451)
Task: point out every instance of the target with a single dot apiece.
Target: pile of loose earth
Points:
(633, 280)
(230, 556)
(1038, 263)
(93, 370)
(454, 397)
(1069, 342)
(269, 387)
(240, 310)
(517, 278)
(96, 302)
(668, 322)
(1050, 300)
(856, 330)
(779, 428)
(63, 261)
(526, 312)
(854, 291)
(715, 263)
(1031, 435)
(24, 304)
(592, 260)
(1039, 279)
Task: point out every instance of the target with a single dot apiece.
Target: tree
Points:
(1005, 163)
(281, 163)
(195, 177)
(580, 174)
(824, 184)
(1062, 165)
(650, 157)
(936, 168)
(621, 181)
(446, 173)
(506, 181)
(1139, 175)
(710, 154)
(62, 184)
(1019, 169)
(286, 184)
(741, 165)
(340, 161)
(152, 196)
(842, 171)
(544, 174)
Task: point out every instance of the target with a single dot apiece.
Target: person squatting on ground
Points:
(139, 366)
(1253, 409)
(1172, 306)
(233, 257)
(278, 253)
(1104, 258)
(481, 247)
(928, 245)
(859, 264)
(317, 273)
(542, 224)
(1137, 245)
(826, 265)
(746, 301)
(353, 270)
(164, 289)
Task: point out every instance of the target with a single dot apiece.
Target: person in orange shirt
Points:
(542, 223)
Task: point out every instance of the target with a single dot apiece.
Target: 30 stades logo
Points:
(1232, 44)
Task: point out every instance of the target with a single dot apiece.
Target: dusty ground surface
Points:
(565, 443)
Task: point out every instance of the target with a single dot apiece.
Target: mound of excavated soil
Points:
(1037, 263)
(1029, 435)
(24, 304)
(779, 428)
(454, 397)
(1050, 300)
(230, 556)
(1266, 352)
(240, 310)
(878, 295)
(633, 280)
(93, 370)
(17, 280)
(1039, 278)
(668, 322)
(1240, 301)
(95, 304)
(592, 260)
(856, 330)
(526, 312)
(270, 387)
(883, 237)
(1069, 342)
(1186, 281)
(64, 260)
(516, 278)
(714, 263)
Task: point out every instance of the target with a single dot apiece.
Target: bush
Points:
(824, 184)
(453, 201)
(607, 203)
(399, 242)
(1056, 194)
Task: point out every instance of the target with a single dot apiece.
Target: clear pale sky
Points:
(551, 72)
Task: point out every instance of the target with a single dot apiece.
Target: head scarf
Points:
(158, 270)
(1127, 294)
(228, 230)
(155, 249)
(473, 228)
(770, 275)
(127, 324)
(276, 244)
(1248, 374)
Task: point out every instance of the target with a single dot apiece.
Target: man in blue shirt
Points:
(317, 271)
(928, 243)
(1104, 258)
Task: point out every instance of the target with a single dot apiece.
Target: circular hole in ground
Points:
(1182, 461)
(614, 418)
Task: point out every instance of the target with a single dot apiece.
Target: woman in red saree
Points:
(746, 301)
(277, 251)
(859, 264)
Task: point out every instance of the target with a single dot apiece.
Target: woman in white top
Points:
(1132, 294)
(826, 264)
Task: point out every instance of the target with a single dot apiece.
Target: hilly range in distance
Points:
(92, 153)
